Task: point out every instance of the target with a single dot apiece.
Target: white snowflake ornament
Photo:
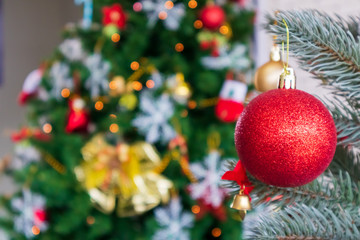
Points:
(249, 5)
(220, 2)
(72, 49)
(235, 59)
(158, 79)
(153, 121)
(165, 10)
(98, 82)
(173, 221)
(32, 214)
(209, 175)
(24, 155)
(59, 74)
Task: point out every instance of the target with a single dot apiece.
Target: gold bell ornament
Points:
(267, 76)
(241, 202)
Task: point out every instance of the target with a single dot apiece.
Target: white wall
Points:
(32, 30)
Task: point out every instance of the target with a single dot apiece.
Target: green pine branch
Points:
(326, 191)
(346, 159)
(302, 222)
(331, 195)
(346, 115)
(327, 208)
(324, 47)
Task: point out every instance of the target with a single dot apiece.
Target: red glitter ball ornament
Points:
(212, 17)
(285, 137)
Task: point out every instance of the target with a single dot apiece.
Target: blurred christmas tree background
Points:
(129, 122)
(130, 126)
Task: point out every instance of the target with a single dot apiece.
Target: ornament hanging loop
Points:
(286, 65)
(287, 78)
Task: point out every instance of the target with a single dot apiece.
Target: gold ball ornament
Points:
(267, 76)
(180, 89)
(117, 86)
(129, 101)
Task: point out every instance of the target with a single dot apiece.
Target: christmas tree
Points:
(127, 129)
(328, 207)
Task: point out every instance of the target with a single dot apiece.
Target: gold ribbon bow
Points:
(124, 173)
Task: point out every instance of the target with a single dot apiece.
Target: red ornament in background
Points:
(26, 132)
(231, 100)
(39, 216)
(114, 15)
(212, 17)
(218, 212)
(210, 45)
(78, 120)
(31, 85)
(285, 137)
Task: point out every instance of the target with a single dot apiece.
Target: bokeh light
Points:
(195, 209)
(184, 113)
(134, 65)
(114, 128)
(136, 85)
(35, 230)
(162, 15)
(216, 232)
(113, 85)
(150, 83)
(198, 24)
(90, 220)
(65, 93)
(224, 30)
(169, 4)
(115, 37)
(192, 104)
(192, 4)
(47, 128)
(179, 47)
(99, 105)
(137, 6)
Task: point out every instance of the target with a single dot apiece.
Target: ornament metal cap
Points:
(287, 79)
(241, 201)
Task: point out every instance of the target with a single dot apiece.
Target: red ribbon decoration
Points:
(239, 176)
